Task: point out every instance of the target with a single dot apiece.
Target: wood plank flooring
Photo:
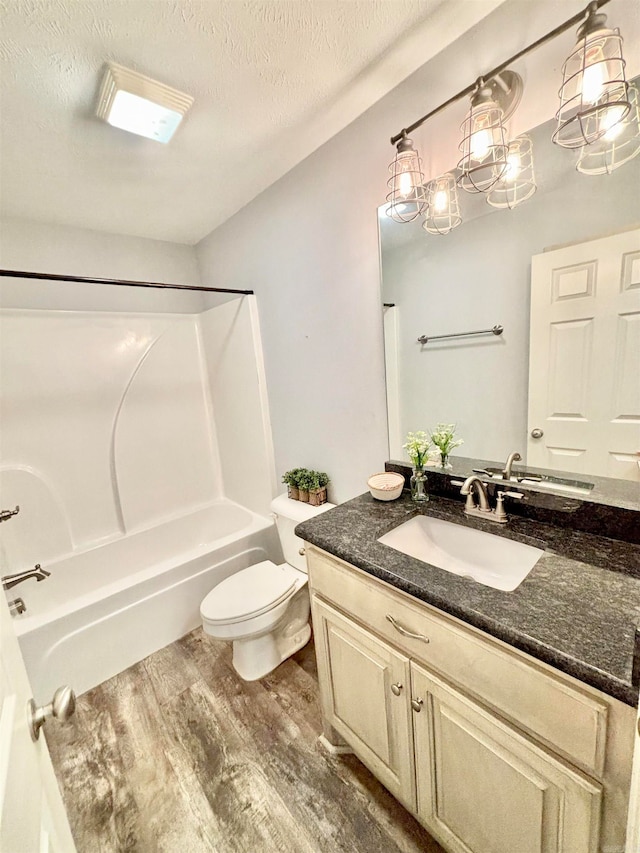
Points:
(178, 754)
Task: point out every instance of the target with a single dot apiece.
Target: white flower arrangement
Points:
(417, 446)
(443, 436)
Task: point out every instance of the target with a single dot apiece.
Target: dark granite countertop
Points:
(578, 609)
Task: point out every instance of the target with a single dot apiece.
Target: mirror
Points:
(477, 276)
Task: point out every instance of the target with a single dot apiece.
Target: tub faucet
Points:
(17, 606)
(6, 514)
(37, 572)
(513, 457)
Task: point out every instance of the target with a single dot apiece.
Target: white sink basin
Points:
(485, 558)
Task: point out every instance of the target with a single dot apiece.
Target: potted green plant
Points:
(291, 480)
(305, 482)
(318, 488)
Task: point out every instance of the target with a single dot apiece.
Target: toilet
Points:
(264, 609)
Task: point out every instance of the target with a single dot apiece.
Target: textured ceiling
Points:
(260, 72)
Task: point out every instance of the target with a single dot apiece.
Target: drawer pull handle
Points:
(405, 631)
(417, 704)
(396, 689)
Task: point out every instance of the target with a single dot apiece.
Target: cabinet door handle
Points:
(417, 704)
(405, 631)
(396, 689)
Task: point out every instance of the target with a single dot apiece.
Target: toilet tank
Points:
(288, 514)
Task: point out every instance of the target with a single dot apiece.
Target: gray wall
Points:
(309, 247)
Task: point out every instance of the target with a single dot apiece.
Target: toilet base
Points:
(255, 657)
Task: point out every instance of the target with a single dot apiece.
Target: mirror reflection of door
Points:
(584, 358)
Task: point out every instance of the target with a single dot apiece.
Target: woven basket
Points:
(318, 496)
(293, 493)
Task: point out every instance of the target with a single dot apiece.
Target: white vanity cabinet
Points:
(493, 751)
(365, 702)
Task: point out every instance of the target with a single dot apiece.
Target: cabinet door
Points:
(364, 687)
(483, 787)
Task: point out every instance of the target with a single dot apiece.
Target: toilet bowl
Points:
(264, 609)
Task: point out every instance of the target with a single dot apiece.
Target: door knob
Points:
(396, 689)
(62, 706)
(537, 433)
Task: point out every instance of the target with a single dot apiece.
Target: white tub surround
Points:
(106, 608)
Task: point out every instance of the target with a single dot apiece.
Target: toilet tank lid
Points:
(297, 510)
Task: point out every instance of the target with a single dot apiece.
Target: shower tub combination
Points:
(104, 609)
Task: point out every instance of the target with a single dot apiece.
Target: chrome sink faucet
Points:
(37, 572)
(483, 509)
(513, 457)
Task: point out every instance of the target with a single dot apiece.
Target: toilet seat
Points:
(250, 593)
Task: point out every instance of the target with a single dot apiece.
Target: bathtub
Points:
(104, 609)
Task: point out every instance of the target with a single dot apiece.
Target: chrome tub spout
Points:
(37, 572)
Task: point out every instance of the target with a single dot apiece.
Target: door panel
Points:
(584, 391)
(359, 674)
(485, 788)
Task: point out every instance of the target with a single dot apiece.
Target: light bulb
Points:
(593, 78)
(480, 138)
(612, 123)
(512, 169)
(441, 201)
(405, 184)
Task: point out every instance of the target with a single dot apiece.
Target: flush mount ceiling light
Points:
(593, 96)
(406, 185)
(594, 102)
(134, 102)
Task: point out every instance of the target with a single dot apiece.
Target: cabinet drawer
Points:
(570, 720)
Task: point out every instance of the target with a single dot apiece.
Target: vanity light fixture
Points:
(594, 101)
(620, 143)
(517, 183)
(407, 199)
(593, 96)
(443, 208)
(140, 105)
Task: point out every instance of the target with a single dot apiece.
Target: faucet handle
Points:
(500, 513)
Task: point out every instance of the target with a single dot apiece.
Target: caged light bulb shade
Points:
(406, 195)
(594, 92)
(443, 209)
(619, 144)
(518, 182)
(483, 146)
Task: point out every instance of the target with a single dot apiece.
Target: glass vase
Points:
(444, 460)
(418, 485)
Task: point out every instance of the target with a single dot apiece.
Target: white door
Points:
(584, 358)
(32, 816)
